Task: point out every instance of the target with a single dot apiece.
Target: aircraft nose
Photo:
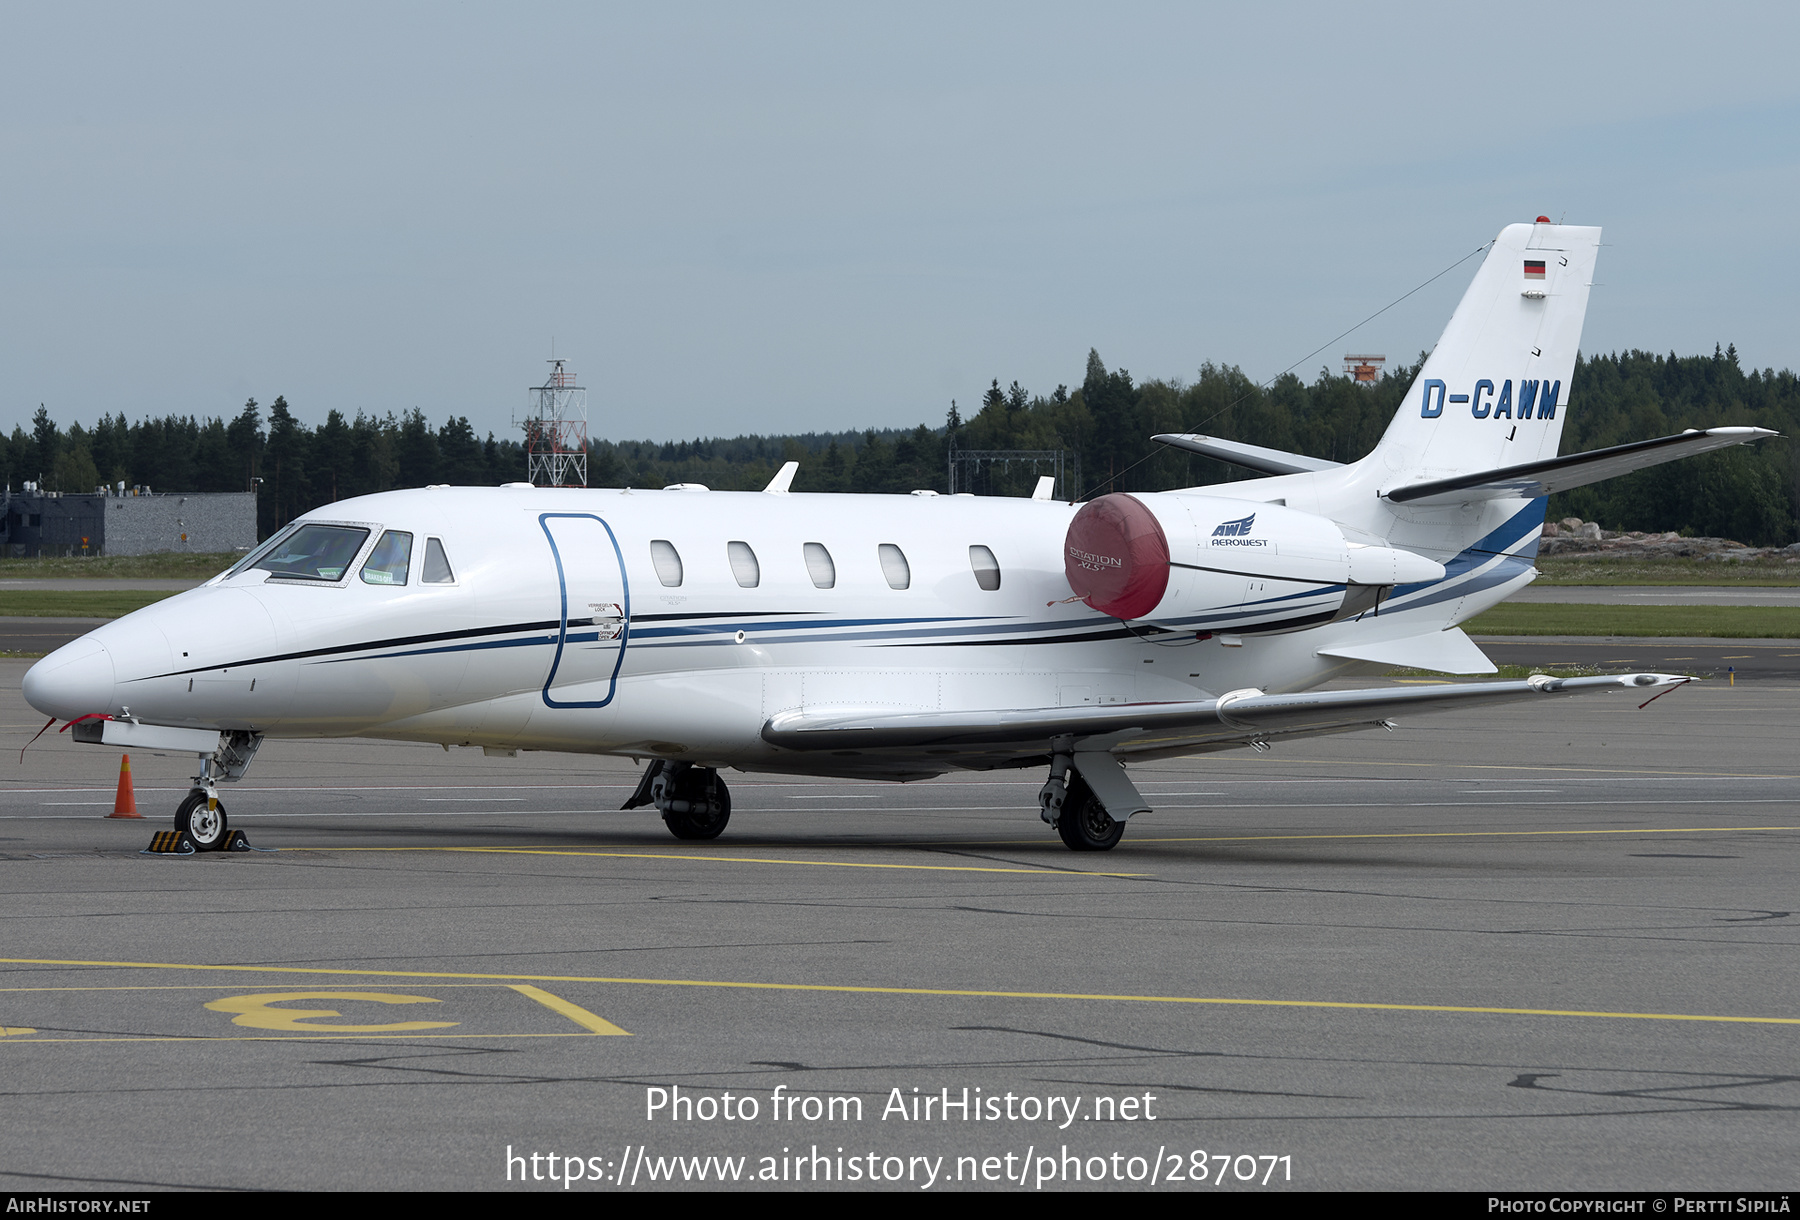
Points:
(72, 681)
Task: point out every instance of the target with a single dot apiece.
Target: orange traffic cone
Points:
(125, 803)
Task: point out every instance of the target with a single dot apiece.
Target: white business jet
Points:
(896, 637)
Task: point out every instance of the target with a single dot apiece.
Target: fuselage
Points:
(674, 624)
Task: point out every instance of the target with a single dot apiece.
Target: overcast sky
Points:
(769, 218)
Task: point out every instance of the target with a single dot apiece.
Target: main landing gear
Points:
(694, 801)
(1088, 798)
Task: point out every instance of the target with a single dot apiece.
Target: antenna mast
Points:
(556, 430)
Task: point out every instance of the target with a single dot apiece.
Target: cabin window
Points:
(895, 567)
(819, 565)
(388, 562)
(743, 564)
(437, 565)
(311, 552)
(667, 560)
(987, 568)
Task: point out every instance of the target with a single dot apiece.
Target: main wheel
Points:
(708, 803)
(1084, 823)
(206, 827)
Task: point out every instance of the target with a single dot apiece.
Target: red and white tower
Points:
(556, 431)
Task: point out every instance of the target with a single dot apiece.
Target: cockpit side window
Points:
(388, 562)
(312, 552)
(255, 557)
(437, 565)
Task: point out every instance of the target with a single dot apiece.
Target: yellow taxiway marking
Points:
(257, 1012)
(254, 1011)
(951, 992)
(688, 856)
(310, 1037)
(198, 987)
(575, 1012)
(1465, 834)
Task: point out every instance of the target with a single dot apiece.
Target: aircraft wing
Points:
(1533, 479)
(1256, 457)
(1235, 719)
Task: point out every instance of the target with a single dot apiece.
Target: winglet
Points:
(784, 479)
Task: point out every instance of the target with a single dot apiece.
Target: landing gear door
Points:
(594, 619)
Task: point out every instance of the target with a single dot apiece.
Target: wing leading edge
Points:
(1235, 719)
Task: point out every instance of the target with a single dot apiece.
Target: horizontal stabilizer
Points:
(1269, 461)
(1234, 719)
(1543, 478)
(1447, 652)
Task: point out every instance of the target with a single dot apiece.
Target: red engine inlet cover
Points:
(1116, 557)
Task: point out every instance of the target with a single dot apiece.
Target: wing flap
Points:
(1234, 719)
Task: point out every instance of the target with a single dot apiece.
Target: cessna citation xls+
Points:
(896, 637)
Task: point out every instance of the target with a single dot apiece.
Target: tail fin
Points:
(1494, 391)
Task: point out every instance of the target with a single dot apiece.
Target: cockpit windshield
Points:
(308, 552)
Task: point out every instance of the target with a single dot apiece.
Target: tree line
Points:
(1751, 493)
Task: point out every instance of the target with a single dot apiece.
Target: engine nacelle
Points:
(1203, 563)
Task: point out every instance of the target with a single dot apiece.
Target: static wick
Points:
(1659, 694)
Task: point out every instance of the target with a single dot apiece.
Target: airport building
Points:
(125, 522)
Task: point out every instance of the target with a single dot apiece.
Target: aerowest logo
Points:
(1093, 562)
(1234, 533)
(1487, 403)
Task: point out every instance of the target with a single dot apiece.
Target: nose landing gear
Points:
(694, 801)
(202, 819)
(201, 815)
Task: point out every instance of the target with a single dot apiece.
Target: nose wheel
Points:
(204, 825)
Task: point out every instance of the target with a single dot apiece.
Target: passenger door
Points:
(594, 618)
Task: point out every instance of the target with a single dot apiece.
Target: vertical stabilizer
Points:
(1495, 390)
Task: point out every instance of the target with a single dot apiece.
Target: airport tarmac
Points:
(1702, 656)
(1541, 947)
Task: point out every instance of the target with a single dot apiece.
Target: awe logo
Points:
(1235, 529)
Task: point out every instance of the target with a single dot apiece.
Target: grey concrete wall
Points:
(207, 522)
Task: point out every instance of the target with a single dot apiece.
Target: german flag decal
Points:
(1534, 269)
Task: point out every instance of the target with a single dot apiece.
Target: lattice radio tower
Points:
(556, 431)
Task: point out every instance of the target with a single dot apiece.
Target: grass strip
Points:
(166, 565)
(76, 603)
(1595, 570)
(1725, 622)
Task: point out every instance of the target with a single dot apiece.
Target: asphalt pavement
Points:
(1547, 946)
